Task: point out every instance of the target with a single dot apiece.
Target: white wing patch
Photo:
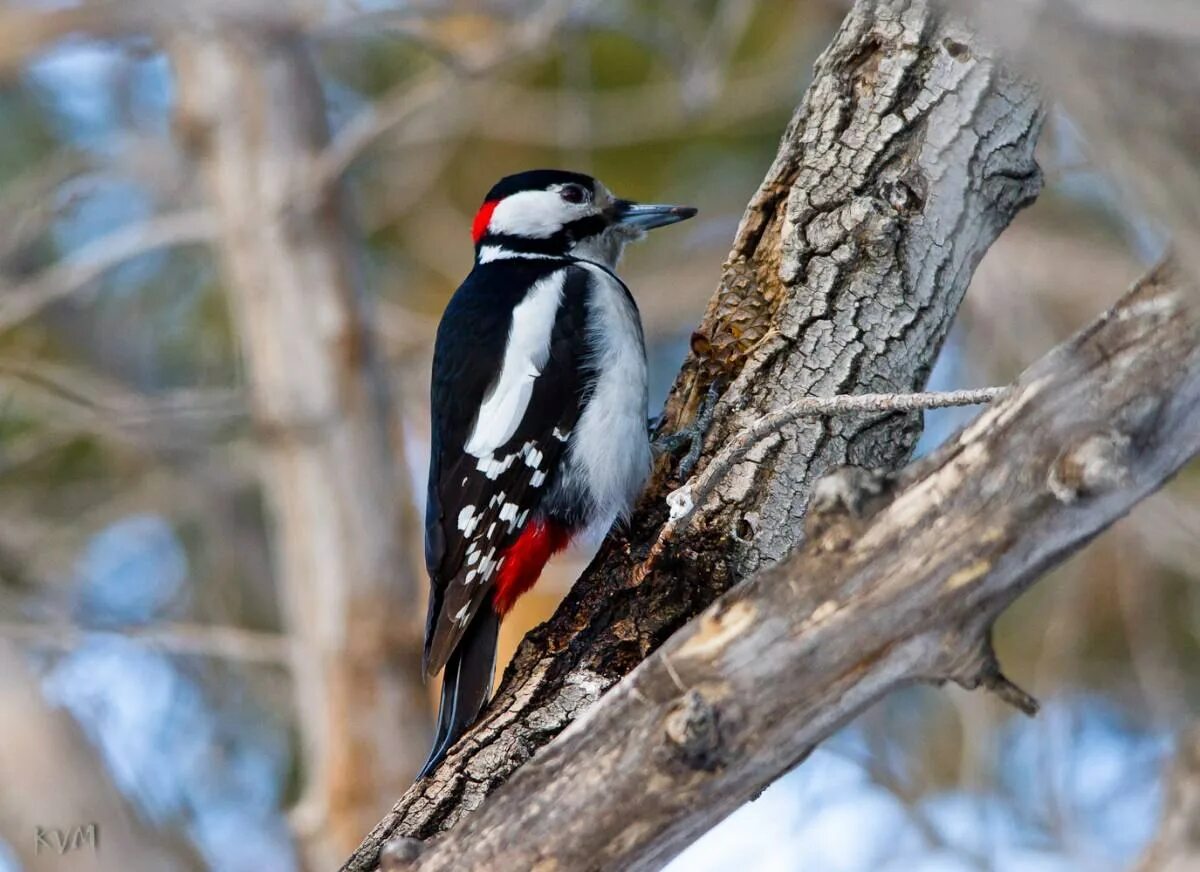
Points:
(527, 352)
(467, 520)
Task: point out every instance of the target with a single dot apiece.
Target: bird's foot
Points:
(691, 435)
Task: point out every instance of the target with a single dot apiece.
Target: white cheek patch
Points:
(535, 214)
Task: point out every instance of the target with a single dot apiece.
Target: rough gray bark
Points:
(900, 581)
(909, 154)
(252, 113)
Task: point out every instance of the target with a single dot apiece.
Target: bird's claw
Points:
(691, 435)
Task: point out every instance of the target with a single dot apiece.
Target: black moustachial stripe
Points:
(558, 244)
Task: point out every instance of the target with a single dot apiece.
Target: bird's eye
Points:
(573, 194)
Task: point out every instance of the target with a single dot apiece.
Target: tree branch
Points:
(182, 640)
(908, 155)
(93, 260)
(899, 582)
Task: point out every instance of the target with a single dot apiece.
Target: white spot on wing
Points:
(491, 467)
(465, 519)
(489, 564)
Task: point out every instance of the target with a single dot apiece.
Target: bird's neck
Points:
(604, 248)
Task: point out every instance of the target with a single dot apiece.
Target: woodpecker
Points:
(538, 412)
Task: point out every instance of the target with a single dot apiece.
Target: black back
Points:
(467, 361)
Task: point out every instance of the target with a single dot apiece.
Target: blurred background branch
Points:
(1176, 845)
(331, 452)
(1126, 74)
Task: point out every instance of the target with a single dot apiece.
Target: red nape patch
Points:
(524, 561)
(482, 217)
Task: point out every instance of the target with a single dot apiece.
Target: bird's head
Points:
(556, 213)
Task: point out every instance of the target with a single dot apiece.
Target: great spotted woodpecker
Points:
(538, 414)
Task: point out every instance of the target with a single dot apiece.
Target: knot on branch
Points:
(848, 493)
(1091, 467)
(693, 732)
(905, 191)
(400, 854)
(981, 668)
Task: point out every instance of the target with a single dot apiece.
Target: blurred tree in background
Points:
(208, 550)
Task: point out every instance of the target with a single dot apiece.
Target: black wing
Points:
(478, 506)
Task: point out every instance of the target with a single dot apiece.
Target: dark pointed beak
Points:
(646, 216)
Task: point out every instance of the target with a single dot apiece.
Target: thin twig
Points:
(397, 107)
(31, 202)
(702, 485)
(190, 640)
(684, 500)
(92, 260)
(123, 406)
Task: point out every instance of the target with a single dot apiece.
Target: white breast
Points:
(610, 447)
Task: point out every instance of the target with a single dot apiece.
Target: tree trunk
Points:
(911, 151)
(900, 581)
(251, 111)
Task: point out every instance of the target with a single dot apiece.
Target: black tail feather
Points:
(466, 684)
